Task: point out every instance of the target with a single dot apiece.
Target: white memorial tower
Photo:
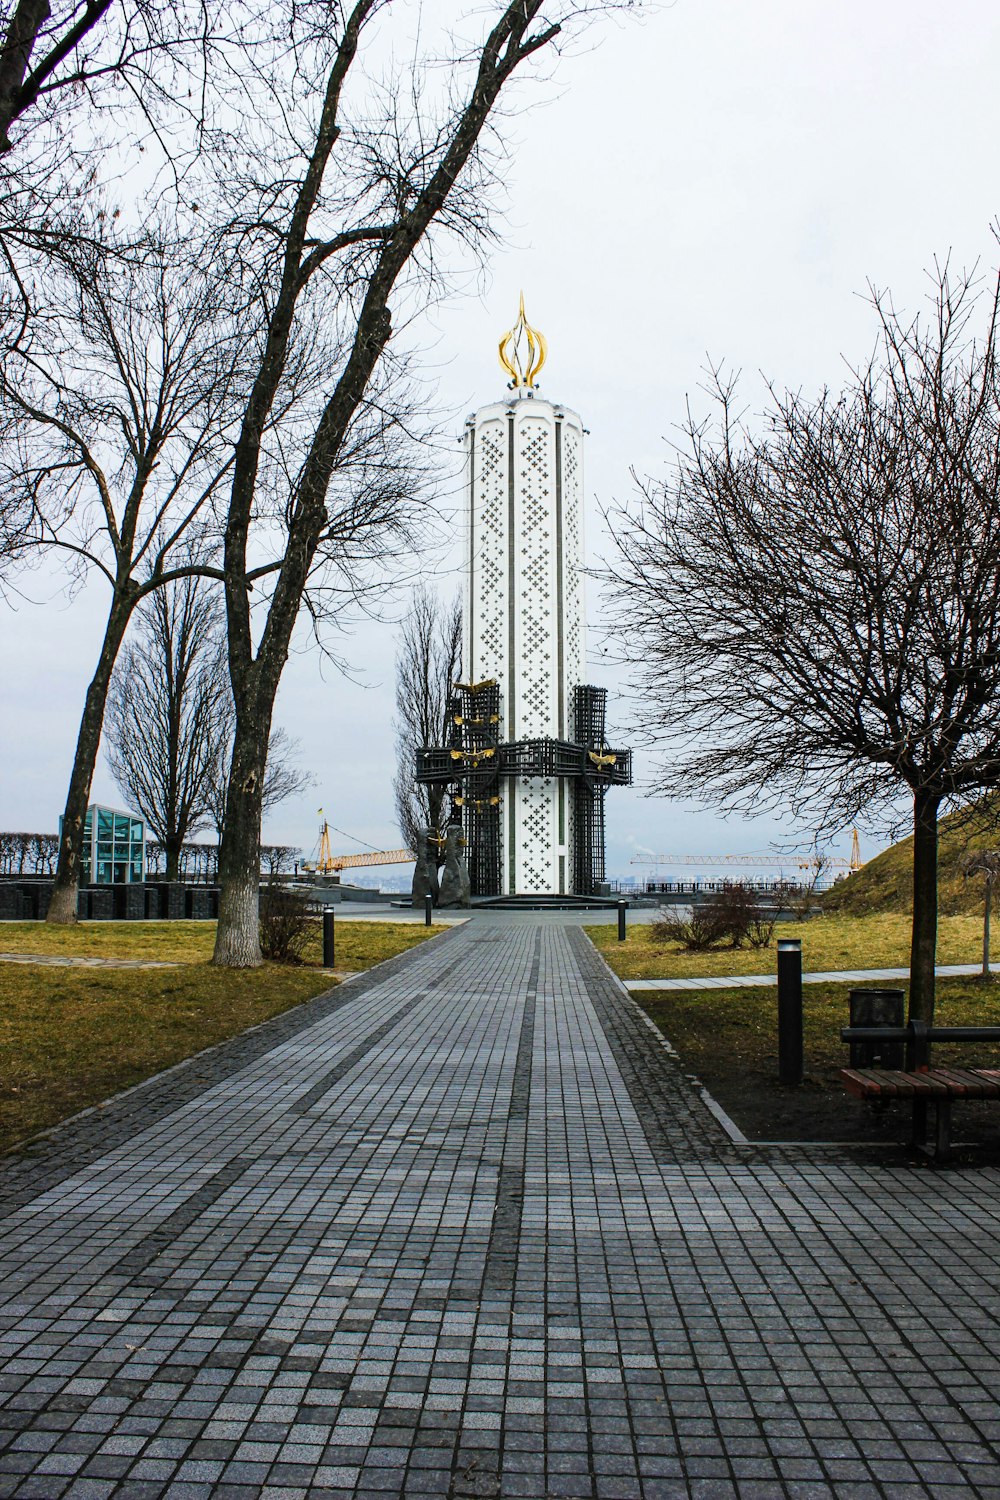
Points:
(526, 758)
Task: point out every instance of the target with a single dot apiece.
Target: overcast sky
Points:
(720, 180)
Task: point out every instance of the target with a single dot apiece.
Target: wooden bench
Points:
(937, 1086)
(923, 1085)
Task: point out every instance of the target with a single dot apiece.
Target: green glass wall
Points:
(113, 847)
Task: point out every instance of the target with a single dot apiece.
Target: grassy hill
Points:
(885, 882)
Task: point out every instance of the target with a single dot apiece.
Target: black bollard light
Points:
(621, 921)
(789, 1010)
(328, 939)
(428, 908)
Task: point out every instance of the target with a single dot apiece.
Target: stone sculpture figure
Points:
(456, 888)
(425, 876)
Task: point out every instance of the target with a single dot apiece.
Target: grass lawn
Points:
(829, 942)
(358, 944)
(728, 1039)
(72, 1037)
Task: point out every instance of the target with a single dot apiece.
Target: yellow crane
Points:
(337, 862)
(328, 863)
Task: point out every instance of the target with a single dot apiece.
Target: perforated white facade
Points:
(524, 612)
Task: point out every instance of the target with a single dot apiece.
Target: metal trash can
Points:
(877, 1007)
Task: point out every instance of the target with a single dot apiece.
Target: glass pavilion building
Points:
(114, 849)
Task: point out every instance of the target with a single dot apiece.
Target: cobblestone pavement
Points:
(463, 1228)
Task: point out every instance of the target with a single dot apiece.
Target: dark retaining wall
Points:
(28, 900)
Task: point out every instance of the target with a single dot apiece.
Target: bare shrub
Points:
(745, 917)
(285, 923)
(802, 902)
(698, 932)
(733, 914)
(760, 928)
(735, 907)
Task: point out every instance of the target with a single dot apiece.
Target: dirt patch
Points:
(820, 1111)
(726, 1039)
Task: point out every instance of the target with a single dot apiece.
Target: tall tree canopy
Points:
(329, 194)
(813, 614)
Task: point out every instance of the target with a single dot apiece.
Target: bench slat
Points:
(972, 1084)
(937, 1083)
(910, 1085)
(931, 1084)
(865, 1084)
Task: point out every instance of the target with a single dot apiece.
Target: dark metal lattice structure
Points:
(590, 705)
(588, 837)
(474, 763)
(589, 721)
(473, 773)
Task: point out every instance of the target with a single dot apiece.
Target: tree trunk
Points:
(237, 940)
(64, 893)
(172, 850)
(986, 926)
(923, 946)
(27, 21)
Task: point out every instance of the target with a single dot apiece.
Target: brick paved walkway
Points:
(462, 1227)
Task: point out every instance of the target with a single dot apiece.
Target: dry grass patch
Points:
(836, 941)
(72, 1037)
(165, 942)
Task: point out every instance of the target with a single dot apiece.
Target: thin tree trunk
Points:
(172, 848)
(237, 939)
(986, 927)
(63, 906)
(923, 946)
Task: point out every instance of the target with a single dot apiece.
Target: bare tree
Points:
(803, 902)
(169, 723)
(985, 862)
(28, 853)
(16, 533)
(283, 778)
(168, 712)
(53, 57)
(196, 864)
(814, 615)
(116, 413)
(278, 859)
(340, 226)
(427, 664)
(91, 92)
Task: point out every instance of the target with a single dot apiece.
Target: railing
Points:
(710, 887)
(543, 757)
(918, 1036)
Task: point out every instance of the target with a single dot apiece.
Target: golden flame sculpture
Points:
(522, 352)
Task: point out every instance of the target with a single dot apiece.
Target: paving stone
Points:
(464, 1227)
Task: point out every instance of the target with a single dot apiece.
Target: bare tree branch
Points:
(813, 616)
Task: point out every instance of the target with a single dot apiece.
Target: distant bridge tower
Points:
(526, 755)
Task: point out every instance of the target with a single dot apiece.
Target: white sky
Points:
(721, 179)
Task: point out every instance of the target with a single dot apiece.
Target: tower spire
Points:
(522, 352)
